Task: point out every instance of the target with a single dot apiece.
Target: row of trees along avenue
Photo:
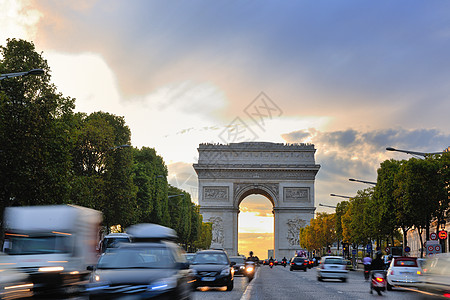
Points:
(409, 194)
(51, 155)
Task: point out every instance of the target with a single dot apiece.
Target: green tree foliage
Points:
(149, 175)
(35, 131)
(102, 169)
(320, 233)
(205, 236)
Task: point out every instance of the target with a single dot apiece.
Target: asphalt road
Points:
(280, 283)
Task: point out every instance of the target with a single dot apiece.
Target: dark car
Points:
(189, 257)
(112, 240)
(298, 263)
(213, 268)
(155, 268)
(239, 266)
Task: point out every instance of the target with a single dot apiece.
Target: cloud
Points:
(259, 243)
(316, 59)
(358, 154)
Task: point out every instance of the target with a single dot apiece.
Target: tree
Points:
(102, 170)
(419, 192)
(35, 132)
(149, 175)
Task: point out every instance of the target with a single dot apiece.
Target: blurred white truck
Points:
(53, 244)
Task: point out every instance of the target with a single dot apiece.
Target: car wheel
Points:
(388, 286)
(344, 279)
(304, 270)
(290, 269)
(319, 279)
(230, 286)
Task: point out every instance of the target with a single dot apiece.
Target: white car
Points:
(403, 271)
(332, 267)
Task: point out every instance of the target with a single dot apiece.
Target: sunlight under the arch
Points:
(256, 224)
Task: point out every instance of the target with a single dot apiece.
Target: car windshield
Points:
(335, 261)
(405, 263)
(129, 258)
(114, 242)
(237, 260)
(28, 245)
(297, 259)
(210, 258)
(189, 257)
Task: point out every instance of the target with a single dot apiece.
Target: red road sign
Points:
(437, 248)
(442, 234)
(433, 236)
(387, 250)
(430, 248)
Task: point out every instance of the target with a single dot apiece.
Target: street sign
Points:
(433, 247)
(354, 252)
(442, 234)
(433, 236)
(407, 249)
(387, 249)
(369, 248)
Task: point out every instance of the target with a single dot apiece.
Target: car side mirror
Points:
(232, 263)
(90, 268)
(183, 265)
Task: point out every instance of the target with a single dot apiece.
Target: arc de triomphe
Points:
(284, 173)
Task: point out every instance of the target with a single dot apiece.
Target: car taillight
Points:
(322, 267)
(379, 279)
(392, 272)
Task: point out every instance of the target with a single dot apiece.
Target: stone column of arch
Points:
(283, 173)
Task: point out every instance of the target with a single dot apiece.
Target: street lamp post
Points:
(17, 74)
(424, 154)
(346, 197)
(330, 206)
(362, 181)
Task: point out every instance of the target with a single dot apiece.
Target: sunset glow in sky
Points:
(352, 77)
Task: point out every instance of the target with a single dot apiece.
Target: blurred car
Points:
(332, 267)
(189, 257)
(112, 240)
(403, 271)
(13, 283)
(349, 265)
(150, 268)
(239, 266)
(436, 277)
(213, 268)
(266, 262)
(310, 263)
(298, 263)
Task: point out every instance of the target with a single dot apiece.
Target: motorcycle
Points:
(283, 263)
(271, 264)
(378, 282)
(250, 269)
(366, 272)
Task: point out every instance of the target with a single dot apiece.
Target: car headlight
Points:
(241, 267)
(163, 284)
(225, 272)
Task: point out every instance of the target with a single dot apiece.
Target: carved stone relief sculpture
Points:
(215, 193)
(293, 233)
(217, 230)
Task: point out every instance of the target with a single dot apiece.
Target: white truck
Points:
(53, 244)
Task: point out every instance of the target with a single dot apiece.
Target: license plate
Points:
(407, 273)
(208, 278)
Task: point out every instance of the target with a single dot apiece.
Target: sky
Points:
(352, 77)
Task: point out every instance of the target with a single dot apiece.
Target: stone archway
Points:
(284, 173)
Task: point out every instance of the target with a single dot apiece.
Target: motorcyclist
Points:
(284, 261)
(377, 263)
(270, 260)
(367, 261)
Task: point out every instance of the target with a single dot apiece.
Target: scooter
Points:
(366, 273)
(378, 282)
(250, 269)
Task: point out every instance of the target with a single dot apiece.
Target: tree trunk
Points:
(419, 231)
